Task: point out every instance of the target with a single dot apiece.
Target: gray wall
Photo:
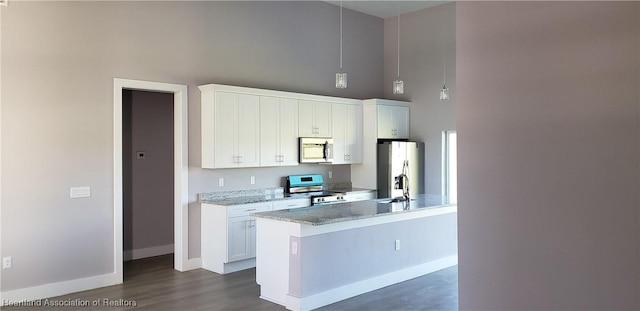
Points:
(148, 183)
(547, 115)
(423, 37)
(58, 63)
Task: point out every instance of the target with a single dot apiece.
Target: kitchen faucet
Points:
(402, 181)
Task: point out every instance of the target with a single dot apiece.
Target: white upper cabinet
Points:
(278, 131)
(393, 121)
(347, 133)
(230, 130)
(382, 119)
(314, 118)
(248, 127)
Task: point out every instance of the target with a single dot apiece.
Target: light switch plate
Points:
(79, 192)
(220, 182)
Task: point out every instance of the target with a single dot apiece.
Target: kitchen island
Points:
(310, 257)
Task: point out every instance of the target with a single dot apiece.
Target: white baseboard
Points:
(191, 264)
(354, 289)
(147, 252)
(58, 289)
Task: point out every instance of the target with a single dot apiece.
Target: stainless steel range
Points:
(312, 186)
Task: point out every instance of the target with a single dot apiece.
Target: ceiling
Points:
(385, 9)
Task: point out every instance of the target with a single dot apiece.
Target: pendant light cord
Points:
(444, 61)
(398, 42)
(340, 35)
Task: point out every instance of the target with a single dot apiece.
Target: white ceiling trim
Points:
(386, 9)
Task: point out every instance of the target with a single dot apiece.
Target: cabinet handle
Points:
(249, 210)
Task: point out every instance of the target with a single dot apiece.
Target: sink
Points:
(394, 200)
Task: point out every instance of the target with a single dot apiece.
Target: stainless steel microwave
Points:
(315, 150)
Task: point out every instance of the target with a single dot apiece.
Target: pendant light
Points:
(444, 91)
(341, 77)
(398, 85)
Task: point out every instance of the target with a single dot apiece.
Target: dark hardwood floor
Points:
(152, 284)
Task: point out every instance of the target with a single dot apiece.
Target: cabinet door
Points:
(314, 119)
(322, 119)
(239, 240)
(288, 137)
(225, 129)
(306, 126)
(248, 143)
(385, 122)
(353, 133)
(401, 121)
(269, 131)
(207, 133)
(340, 140)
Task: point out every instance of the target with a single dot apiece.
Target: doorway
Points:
(147, 161)
(180, 171)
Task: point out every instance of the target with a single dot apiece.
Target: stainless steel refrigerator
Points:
(400, 164)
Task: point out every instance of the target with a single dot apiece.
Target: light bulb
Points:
(444, 93)
(341, 80)
(398, 86)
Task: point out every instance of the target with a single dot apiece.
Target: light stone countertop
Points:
(240, 197)
(341, 212)
(249, 199)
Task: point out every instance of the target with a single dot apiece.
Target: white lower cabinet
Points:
(241, 239)
(293, 203)
(229, 236)
(229, 233)
(361, 196)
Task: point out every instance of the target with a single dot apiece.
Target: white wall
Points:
(423, 37)
(59, 60)
(548, 161)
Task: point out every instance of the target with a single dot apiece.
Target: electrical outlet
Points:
(6, 262)
(253, 180)
(294, 248)
(397, 244)
(220, 182)
(330, 174)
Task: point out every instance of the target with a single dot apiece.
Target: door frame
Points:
(181, 167)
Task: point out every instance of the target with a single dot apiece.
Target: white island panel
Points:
(303, 266)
